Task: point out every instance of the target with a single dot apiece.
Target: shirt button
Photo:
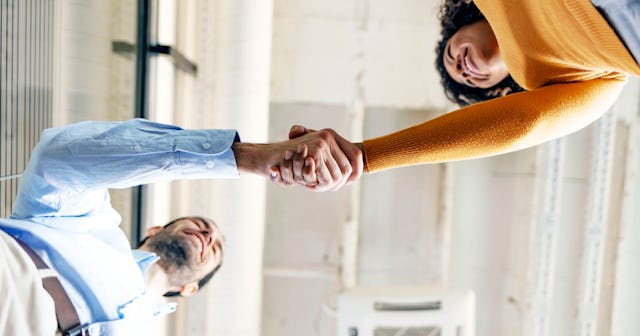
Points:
(206, 145)
(210, 164)
(137, 147)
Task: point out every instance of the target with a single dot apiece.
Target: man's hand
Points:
(297, 168)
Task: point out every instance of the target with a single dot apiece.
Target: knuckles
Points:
(326, 134)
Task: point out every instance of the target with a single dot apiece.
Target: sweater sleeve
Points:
(498, 126)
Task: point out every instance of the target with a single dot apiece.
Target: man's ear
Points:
(189, 289)
(152, 231)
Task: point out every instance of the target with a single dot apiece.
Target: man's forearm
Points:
(254, 158)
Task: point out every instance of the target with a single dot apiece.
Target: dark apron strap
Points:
(66, 314)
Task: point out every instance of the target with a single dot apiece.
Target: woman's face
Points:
(472, 56)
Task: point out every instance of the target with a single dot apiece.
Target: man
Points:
(64, 230)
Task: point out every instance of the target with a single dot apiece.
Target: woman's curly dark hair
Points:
(455, 14)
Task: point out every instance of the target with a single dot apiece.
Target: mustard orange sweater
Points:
(564, 54)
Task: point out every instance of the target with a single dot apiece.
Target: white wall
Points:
(362, 68)
(334, 60)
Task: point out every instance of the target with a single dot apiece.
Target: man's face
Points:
(188, 249)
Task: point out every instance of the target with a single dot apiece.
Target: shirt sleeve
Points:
(72, 168)
(498, 126)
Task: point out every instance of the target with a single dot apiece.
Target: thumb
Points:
(297, 131)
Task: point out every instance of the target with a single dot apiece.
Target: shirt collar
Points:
(144, 259)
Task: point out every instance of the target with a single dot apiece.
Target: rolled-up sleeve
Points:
(72, 167)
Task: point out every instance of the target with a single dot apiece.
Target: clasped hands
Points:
(321, 161)
(317, 160)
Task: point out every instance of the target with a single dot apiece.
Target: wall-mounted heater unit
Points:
(406, 311)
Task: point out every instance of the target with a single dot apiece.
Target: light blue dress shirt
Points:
(63, 210)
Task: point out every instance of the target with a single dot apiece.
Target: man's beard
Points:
(174, 256)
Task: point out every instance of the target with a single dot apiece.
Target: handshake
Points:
(316, 160)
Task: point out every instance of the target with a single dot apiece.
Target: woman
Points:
(466, 23)
(570, 57)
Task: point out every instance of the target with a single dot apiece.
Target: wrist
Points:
(252, 158)
(364, 157)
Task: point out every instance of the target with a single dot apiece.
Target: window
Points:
(26, 90)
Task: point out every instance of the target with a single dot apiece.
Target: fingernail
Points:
(310, 162)
(288, 155)
(300, 149)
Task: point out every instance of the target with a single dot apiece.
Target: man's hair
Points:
(455, 14)
(207, 276)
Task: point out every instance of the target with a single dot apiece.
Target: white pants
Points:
(25, 306)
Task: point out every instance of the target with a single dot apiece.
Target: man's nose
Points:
(208, 235)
